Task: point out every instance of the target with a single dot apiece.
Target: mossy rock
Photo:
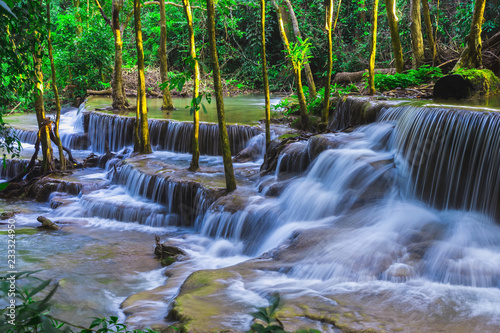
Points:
(199, 305)
(467, 83)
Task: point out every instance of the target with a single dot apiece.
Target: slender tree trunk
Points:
(296, 68)
(428, 29)
(78, 17)
(264, 73)
(471, 57)
(119, 98)
(396, 43)
(144, 144)
(417, 40)
(224, 138)
(62, 159)
(373, 50)
(329, 31)
(307, 68)
(195, 165)
(44, 135)
(168, 104)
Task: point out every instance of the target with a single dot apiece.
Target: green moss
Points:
(22, 231)
(289, 135)
(484, 81)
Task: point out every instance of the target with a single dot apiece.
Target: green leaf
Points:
(39, 288)
(3, 186)
(204, 108)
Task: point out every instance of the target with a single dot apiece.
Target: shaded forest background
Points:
(84, 48)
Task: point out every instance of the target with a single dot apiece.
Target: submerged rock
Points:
(167, 253)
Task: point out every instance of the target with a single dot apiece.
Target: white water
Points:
(374, 238)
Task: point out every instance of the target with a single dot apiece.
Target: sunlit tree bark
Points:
(471, 57)
(390, 6)
(120, 101)
(167, 104)
(196, 89)
(417, 40)
(224, 138)
(296, 68)
(62, 159)
(43, 124)
(297, 34)
(329, 30)
(373, 50)
(142, 130)
(264, 73)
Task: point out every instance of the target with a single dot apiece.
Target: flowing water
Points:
(395, 223)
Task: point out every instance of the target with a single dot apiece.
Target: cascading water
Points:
(164, 134)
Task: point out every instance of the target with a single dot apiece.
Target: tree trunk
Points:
(224, 138)
(417, 40)
(329, 31)
(78, 17)
(373, 50)
(307, 68)
(168, 104)
(428, 29)
(396, 43)
(44, 135)
(195, 164)
(56, 94)
(264, 73)
(119, 98)
(142, 108)
(296, 68)
(471, 57)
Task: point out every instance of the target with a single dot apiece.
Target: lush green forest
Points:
(84, 49)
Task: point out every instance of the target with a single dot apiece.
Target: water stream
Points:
(396, 222)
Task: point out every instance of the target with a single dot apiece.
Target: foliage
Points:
(411, 77)
(268, 321)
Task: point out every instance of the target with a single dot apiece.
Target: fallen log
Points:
(353, 77)
(108, 91)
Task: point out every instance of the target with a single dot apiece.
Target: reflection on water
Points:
(245, 109)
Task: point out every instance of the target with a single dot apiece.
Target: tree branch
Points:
(108, 21)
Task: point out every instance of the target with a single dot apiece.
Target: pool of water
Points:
(244, 109)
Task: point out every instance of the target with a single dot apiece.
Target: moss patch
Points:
(484, 81)
(22, 231)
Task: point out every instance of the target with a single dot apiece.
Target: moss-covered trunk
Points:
(471, 57)
(329, 30)
(119, 98)
(428, 29)
(142, 109)
(44, 128)
(373, 49)
(56, 94)
(195, 164)
(264, 73)
(417, 40)
(224, 138)
(390, 6)
(167, 104)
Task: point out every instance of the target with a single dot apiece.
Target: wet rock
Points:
(167, 253)
(42, 189)
(7, 215)
(47, 224)
(277, 188)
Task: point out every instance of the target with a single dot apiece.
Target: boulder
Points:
(47, 224)
(470, 83)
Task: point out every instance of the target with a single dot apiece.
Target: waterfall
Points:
(452, 156)
(412, 195)
(184, 202)
(12, 168)
(164, 134)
